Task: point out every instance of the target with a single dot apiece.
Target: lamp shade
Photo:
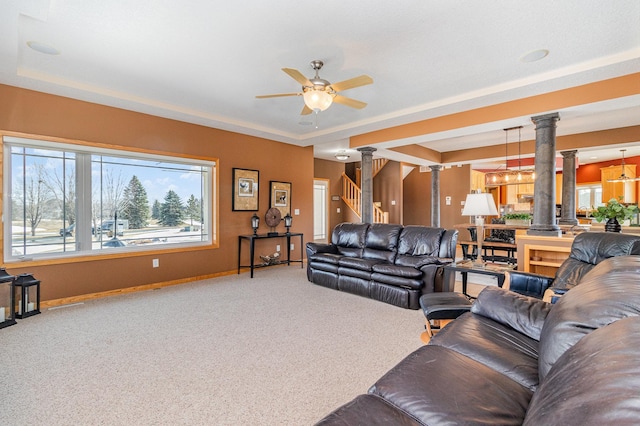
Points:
(317, 100)
(479, 205)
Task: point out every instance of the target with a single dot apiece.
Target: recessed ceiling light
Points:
(43, 48)
(536, 55)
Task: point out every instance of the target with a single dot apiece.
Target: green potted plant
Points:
(517, 219)
(614, 212)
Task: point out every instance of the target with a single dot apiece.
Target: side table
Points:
(467, 268)
(252, 245)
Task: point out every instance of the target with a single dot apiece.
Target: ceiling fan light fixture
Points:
(317, 100)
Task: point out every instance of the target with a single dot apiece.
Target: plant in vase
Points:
(614, 212)
(517, 219)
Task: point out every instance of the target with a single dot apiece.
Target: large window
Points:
(66, 200)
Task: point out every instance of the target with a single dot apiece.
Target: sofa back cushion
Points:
(382, 241)
(349, 238)
(589, 249)
(596, 382)
(609, 292)
(420, 240)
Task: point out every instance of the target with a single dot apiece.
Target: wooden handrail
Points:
(352, 197)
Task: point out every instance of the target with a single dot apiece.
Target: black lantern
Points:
(287, 221)
(255, 221)
(7, 316)
(27, 296)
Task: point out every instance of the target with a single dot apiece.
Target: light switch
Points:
(296, 212)
(393, 202)
(447, 200)
(338, 210)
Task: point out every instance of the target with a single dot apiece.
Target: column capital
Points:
(367, 150)
(569, 154)
(436, 168)
(545, 120)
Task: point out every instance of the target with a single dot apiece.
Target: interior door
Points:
(320, 210)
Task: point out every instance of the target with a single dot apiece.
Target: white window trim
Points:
(88, 149)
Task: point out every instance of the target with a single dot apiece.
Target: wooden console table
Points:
(252, 245)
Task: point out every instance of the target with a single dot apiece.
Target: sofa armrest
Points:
(313, 248)
(522, 313)
(528, 284)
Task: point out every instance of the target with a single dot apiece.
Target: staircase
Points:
(352, 195)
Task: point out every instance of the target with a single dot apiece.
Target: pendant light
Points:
(623, 176)
(510, 177)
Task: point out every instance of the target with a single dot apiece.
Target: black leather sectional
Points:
(392, 263)
(519, 360)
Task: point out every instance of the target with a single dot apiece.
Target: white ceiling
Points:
(204, 61)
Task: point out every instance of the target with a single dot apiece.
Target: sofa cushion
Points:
(524, 314)
(382, 241)
(396, 281)
(419, 261)
(325, 258)
(596, 382)
(495, 345)
(437, 386)
(420, 240)
(349, 238)
(400, 271)
(370, 410)
(358, 263)
(609, 292)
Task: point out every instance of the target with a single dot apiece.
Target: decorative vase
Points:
(612, 225)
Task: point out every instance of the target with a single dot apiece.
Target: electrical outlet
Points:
(155, 263)
(278, 247)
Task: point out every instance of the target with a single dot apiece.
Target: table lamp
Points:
(479, 205)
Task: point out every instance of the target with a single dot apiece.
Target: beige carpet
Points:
(273, 350)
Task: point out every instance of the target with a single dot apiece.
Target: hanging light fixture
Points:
(510, 177)
(623, 176)
(342, 155)
(319, 96)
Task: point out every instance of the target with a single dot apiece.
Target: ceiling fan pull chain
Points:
(316, 111)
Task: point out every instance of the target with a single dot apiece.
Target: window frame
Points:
(9, 139)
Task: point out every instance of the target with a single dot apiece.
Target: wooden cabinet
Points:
(477, 181)
(542, 255)
(515, 191)
(626, 190)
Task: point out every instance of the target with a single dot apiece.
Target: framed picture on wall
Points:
(280, 196)
(245, 190)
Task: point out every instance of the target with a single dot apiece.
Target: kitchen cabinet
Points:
(626, 190)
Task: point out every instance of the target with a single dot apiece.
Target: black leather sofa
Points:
(391, 263)
(519, 360)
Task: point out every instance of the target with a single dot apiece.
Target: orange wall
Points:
(454, 182)
(45, 115)
(387, 187)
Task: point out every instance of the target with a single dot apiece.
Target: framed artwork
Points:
(245, 190)
(280, 196)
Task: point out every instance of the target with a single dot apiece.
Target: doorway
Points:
(320, 210)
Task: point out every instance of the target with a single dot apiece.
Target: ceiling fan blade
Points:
(306, 110)
(363, 80)
(278, 95)
(297, 76)
(349, 102)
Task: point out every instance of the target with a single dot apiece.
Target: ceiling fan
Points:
(319, 94)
